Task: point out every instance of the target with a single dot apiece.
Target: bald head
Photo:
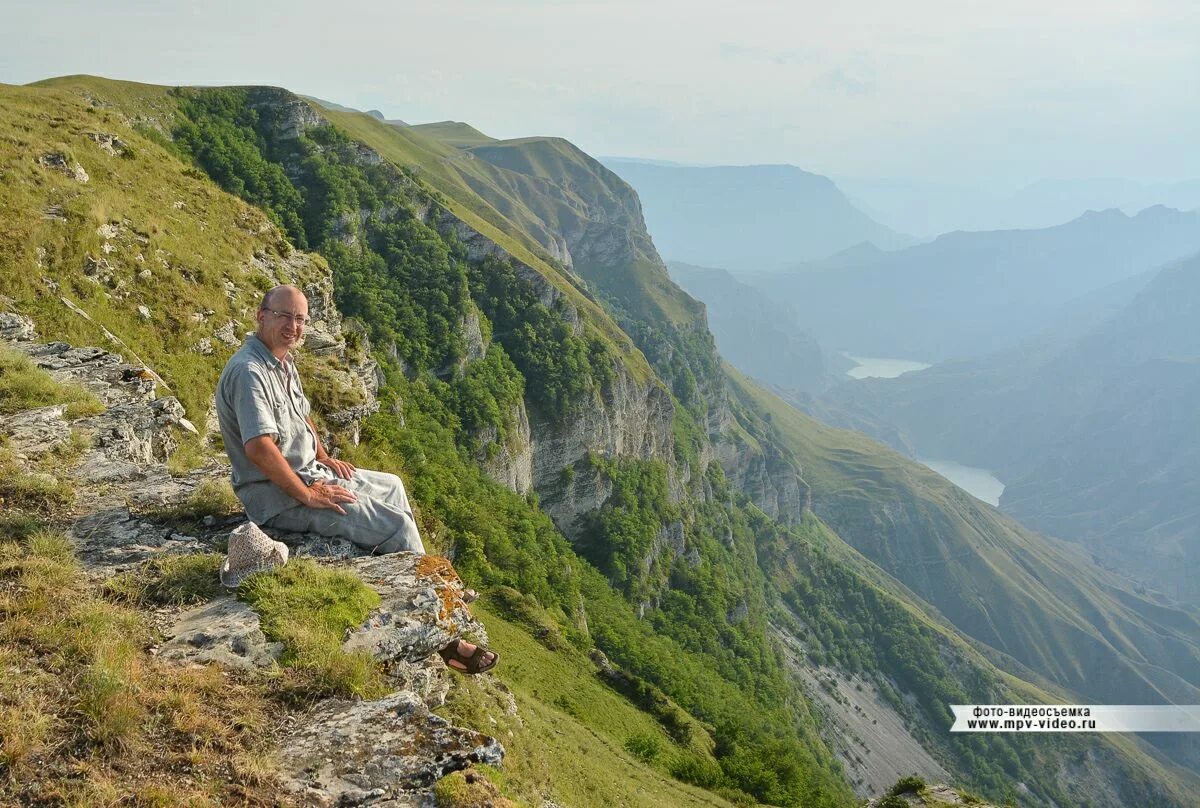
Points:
(269, 300)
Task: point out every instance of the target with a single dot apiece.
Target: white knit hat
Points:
(251, 551)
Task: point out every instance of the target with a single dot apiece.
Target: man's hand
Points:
(326, 495)
(339, 467)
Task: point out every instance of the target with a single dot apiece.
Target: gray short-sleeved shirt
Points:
(259, 395)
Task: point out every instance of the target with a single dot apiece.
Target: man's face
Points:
(281, 324)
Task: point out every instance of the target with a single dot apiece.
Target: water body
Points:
(979, 483)
(870, 367)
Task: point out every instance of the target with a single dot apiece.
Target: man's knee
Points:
(400, 542)
(384, 529)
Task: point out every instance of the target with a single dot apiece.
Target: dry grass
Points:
(31, 492)
(211, 498)
(175, 580)
(88, 717)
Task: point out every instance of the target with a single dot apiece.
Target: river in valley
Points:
(870, 367)
(979, 483)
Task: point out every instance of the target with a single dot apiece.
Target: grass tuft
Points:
(88, 717)
(24, 386)
(211, 498)
(309, 609)
(474, 787)
(17, 526)
(35, 492)
(174, 580)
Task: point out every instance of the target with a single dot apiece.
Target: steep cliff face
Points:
(632, 421)
(599, 217)
(632, 416)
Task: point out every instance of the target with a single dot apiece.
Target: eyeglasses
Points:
(298, 319)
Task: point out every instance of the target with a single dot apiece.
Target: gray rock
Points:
(15, 328)
(57, 161)
(421, 609)
(228, 334)
(632, 419)
(320, 342)
(110, 539)
(354, 753)
(225, 631)
(111, 144)
(32, 433)
(510, 462)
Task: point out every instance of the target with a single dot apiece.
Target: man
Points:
(282, 473)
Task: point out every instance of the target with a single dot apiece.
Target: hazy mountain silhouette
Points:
(972, 293)
(747, 218)
(926, 208)
(757, 334)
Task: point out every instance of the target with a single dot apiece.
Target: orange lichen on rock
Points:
(446, 582)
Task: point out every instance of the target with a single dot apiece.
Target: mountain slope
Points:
(757, 334)
(1092, 434)
(488, 363)
(748, 218)
(1058, 615)
(1036, 600)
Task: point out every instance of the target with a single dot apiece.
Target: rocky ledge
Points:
(388, 751)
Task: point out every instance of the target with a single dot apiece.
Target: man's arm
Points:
(340, 467)
(263, 453)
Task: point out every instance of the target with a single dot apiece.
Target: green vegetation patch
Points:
(912, 784)
(567, 742)
(24, 386)
(309, 608)
(174, 580)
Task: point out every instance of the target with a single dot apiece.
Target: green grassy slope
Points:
(1039, 601)
(163, 255)
(574, 734)
(454, 133)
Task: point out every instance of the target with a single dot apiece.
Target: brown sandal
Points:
(473, 664)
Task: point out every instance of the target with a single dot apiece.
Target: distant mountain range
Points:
(748, 218)
(927, 209)
(968, 294)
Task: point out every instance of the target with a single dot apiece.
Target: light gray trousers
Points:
(381, 520)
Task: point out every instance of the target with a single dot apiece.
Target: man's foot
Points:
(464, 657)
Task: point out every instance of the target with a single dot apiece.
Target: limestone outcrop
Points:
(388, 751)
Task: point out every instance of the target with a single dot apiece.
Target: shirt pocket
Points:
(283, 422)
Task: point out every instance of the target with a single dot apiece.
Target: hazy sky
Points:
(958, 90)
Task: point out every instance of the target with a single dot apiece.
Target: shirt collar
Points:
(264, 353)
